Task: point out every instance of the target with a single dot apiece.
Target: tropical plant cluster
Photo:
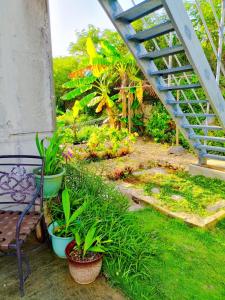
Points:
(106, 80)
(102, 142)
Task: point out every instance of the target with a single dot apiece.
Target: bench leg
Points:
(20, 271)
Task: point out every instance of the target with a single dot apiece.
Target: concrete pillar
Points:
(26, 92)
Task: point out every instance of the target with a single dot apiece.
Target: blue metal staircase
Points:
(200, 134)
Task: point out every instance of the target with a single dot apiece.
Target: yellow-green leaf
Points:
(94, 101)
(100, 106)
(139, 92)
(91, 49)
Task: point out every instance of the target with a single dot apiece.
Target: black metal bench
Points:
(20, 207)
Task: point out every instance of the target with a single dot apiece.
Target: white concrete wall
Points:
(26, 93)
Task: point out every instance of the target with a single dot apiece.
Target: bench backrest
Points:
(17, 182)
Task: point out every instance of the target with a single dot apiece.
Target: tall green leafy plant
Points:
(65, 225)
(91, 242)
(52, 153)
(92, 87)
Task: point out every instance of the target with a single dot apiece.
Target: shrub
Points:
(72, 135)
(162, 128)
(84, 133)
(68, 135)
(110, 142)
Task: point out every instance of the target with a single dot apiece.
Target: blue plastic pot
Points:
(58, 243)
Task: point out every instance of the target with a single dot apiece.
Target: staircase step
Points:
(208, 138)
(172, 71)
(211, 148)
(203, 127)
(153, 32)
(187, 101)
(179, 87)
(193, 115)
(140, 10)
(163, 52)
(214, 156)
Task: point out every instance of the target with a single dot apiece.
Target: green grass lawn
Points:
(151, 256)
(186, 263)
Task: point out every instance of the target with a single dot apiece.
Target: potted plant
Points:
(53, 168)
(85, 254)
(60, 229)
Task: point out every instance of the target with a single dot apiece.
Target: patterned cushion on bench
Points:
(8, 221)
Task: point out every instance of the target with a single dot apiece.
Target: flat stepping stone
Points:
(155, 190)
(177, 197)
(158, 170)
(216, 206)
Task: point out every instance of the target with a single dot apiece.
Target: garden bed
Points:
(151, 175)
(197, 200)
(145, 154)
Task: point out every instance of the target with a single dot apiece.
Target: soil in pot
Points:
(76, 256)
(83, 270)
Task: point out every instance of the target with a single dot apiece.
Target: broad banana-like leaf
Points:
(80, 72)
(76, 109)
(91, 49)
(100, 61)
(110, 49)
(79, 82)
(86, 100)
(98, 70)
(76, 92)
(115, 97)
(94, 101)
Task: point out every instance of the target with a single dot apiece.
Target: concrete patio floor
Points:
(50, 280)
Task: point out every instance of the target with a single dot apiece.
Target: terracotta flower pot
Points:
(83, 272)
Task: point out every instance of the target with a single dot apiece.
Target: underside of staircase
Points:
(201, 117)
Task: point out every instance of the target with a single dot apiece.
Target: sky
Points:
(66, 16)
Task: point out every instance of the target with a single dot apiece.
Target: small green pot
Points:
(52, 183)
(58, 243)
